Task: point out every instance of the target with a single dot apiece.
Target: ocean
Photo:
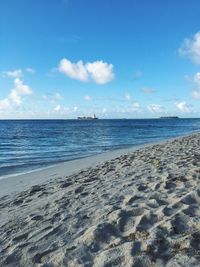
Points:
(26, 145)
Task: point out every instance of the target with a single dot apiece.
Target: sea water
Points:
(26, 145)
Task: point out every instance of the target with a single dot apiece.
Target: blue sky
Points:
(115, 58)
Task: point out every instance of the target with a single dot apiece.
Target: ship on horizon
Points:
(169, 117)
(87, 118)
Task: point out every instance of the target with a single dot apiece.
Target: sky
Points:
(60, 59)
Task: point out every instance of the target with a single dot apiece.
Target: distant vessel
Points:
(88, 118)
(170, 117)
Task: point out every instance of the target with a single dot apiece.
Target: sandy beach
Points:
(139, 208)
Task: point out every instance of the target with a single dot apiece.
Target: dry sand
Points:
(139, 209)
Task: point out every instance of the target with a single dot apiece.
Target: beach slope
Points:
(139, 209)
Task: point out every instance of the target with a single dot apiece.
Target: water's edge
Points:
(104, 156)
(28, 146)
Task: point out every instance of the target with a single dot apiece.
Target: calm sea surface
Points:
(30, 144)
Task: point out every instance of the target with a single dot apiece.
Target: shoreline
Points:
(18, 182)
(136, 209)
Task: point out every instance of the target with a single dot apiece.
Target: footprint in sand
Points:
(36, 217)
(20, 237)
(146, 221)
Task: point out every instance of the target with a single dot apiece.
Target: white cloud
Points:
(21, 88)
(100, 72)
(15, 99)
(14, 73)
(155, 108)
(191, 48)
(75, 109)
(182, 106)
(75, 71)
(17, 73)
(88, 98)
(30, 70)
